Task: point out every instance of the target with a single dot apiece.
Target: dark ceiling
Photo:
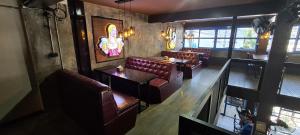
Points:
(154, 7)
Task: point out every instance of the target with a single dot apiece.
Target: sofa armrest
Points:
(159, 83)
(109, 106)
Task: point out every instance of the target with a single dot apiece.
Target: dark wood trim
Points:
(232, 37)
(220, 12)
(288, 102)
(244, 93)
(256, 62)
(190, 126)
(218, 23)
(78, 23)
(273, 71)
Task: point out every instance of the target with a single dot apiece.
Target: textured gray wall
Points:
(146, 42)
(39, 43)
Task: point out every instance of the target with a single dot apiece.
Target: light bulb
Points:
(131, 30)
(163, 34)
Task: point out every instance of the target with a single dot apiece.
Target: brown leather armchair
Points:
(95, 107)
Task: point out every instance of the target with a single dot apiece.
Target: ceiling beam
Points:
(229, 11)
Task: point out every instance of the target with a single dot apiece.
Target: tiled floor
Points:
(291, 85)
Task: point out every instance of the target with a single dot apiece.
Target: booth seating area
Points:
(206, 54)
(94, 106)
(192, 67)
(168, 79)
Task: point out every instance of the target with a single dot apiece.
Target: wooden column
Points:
(78, 22)
(232, 37)
(274, 67)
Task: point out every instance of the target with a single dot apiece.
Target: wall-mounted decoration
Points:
(170, 37)
(171, 42)
(107, 45)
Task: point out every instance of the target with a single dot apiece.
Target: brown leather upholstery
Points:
(168, 81)
(192, 67)
(205, 58)
(95, 107)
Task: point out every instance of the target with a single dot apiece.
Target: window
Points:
(193, 41)
(223, 38)
(294, 43)
(294, 40)
(245, 38)
(291, 117)
(208, 38)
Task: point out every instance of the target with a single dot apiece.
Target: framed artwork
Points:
(107, 45)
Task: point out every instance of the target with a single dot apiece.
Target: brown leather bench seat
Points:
(95, 107)
(206, 51)
(192, 68)
(168, 78)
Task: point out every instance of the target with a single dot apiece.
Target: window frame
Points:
(216, 29)
(297, 38)
(235, 38)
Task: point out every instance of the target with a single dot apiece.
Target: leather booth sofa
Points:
(205, 58)
(168, 78)
(192, 67)
(96, 108)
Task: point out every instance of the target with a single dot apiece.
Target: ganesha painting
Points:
(111, 45)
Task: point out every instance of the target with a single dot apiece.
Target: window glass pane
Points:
(246, 33)
(245, 43)
(209, 43)
(193, 43)
(286, 113)
(269, 44)
(294, 31)
(207, 33)
(298, 46)
(297, 115)
(222, 43)
(195, 33)
(224, 33)
(291, 45)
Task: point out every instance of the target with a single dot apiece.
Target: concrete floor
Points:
(159, 119)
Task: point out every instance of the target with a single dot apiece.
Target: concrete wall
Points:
(146, 42)
(14, 77)
(40, 43)
(24, 58)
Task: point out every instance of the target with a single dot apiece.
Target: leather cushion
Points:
(158, 82)
(123, 101)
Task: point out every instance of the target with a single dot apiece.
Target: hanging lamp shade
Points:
(131, 30)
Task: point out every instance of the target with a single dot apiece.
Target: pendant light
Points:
(131, 29)
(120, 33)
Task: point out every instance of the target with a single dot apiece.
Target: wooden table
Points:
(135, 76)
(179, 62)
(263, 57)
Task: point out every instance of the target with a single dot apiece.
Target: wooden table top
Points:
(130, 74)
(264, 57)
(178, 61)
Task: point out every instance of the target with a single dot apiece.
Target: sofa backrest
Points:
(87, 101)
(161, 69)
(206, 51)
(194, 57)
